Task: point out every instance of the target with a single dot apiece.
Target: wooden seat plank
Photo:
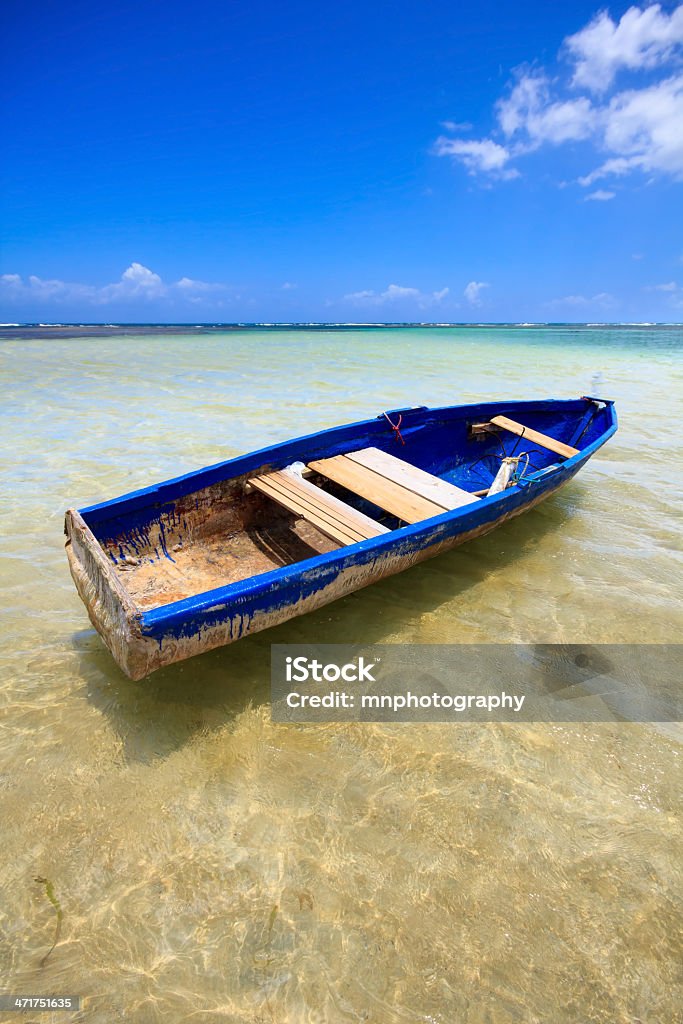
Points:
(529, 434)
(331, 516)
(428, 486)
(387, 494)
(293, 503)
(326, 505)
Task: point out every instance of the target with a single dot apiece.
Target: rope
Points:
(518, 441)
(396, 427)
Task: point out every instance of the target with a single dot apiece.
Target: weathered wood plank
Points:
(325, 524)
(529, 434)
(312, 508)
(391, 496)
(334, 506)
(331, 516)
(426, 485)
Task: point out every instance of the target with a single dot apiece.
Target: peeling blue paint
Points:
(162, 538)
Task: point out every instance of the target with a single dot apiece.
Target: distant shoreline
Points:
(66, 330)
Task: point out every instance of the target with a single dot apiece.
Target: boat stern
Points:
(110, 608)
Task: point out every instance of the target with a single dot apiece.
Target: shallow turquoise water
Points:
(420, 873)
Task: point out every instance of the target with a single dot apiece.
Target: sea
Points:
(169, 853)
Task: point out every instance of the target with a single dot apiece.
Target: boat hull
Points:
(143, 641)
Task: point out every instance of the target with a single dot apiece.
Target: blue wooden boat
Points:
(205, 559)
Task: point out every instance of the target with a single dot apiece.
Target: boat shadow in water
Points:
(158, 715)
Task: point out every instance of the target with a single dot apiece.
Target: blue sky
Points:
(364, 162)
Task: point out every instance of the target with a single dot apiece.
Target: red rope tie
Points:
(396, 427)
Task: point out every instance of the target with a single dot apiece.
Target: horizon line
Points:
(343, 323)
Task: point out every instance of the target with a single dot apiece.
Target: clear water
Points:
(213, 866)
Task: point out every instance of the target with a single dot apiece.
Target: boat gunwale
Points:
(206, 476)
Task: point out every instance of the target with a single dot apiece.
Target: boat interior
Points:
(348, 491)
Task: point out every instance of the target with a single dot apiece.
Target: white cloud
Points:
(141, 279)
(52, 288)
(527, 94)
(288, 285)
(672, 290)
(643, 39)
(644, 128)
(396, 293)
(670, 286)
(136, 282)
(634, 130)
(472, 290)
(603, 300)
(529, 111)
(197, 292)
(478, 155)
(600, 195)
(188, 285)
(457, 126)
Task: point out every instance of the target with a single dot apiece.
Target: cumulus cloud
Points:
(396, 293)
(472, 291)
(637, 129)
(136, 283)
(600, 195)
(644, 128)
(642, 39)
